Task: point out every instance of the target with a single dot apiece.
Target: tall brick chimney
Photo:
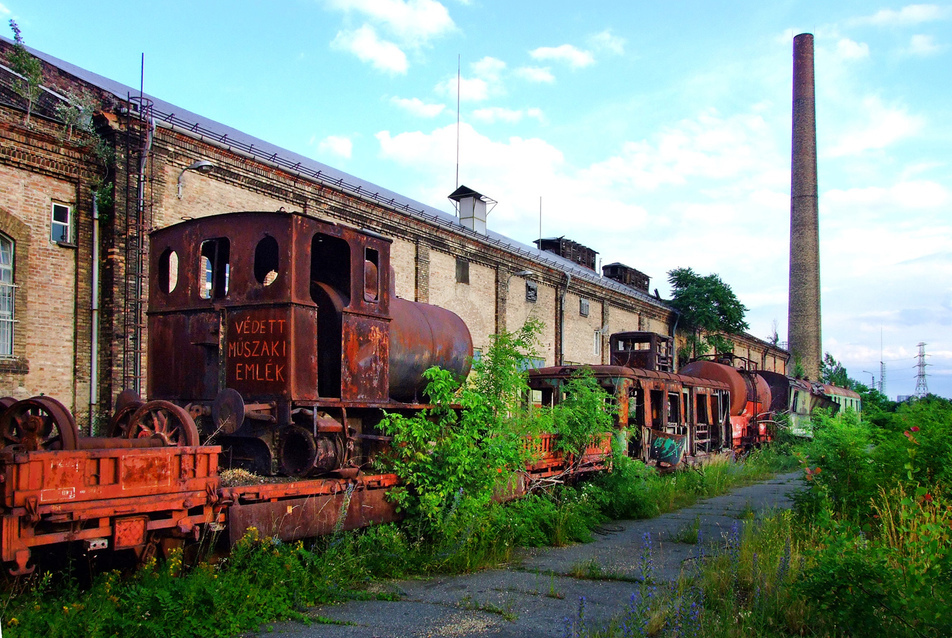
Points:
(803, 314)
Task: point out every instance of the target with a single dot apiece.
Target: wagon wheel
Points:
(39, 424)
(6, 402)
(165, 421)
(119, 423)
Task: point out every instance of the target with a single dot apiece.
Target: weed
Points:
(690, 534)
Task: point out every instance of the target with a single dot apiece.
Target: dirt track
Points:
(533, 596)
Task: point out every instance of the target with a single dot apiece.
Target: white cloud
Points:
(411, 21)
(850, 50)
(369, 47)
(4, 10)
(707, 147)
(574, 57)
(923, 45)
(470, 89)
(910, 14)
(879, 126)
(418, 107)
(606, 41)
(880, 200)
(336, 145)
(488, 68)
(499, 114)
(537, 74)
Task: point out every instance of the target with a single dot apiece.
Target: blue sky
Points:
(656, 133)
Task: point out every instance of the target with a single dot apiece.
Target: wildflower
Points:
(914, 428)
(927, 498)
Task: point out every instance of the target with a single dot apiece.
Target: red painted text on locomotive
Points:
(259, 372)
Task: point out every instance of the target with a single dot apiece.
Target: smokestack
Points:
(803, 318)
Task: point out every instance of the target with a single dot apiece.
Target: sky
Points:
(656, 133)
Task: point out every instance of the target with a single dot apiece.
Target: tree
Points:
(832, 372)
(28, 67)
(707, 307)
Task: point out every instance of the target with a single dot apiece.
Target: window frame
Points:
(8, 271)
(68, 237)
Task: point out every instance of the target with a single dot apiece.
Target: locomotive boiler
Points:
(282, 337)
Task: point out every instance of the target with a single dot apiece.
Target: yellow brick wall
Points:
(403, 260)
(473, 302)
(45, 332)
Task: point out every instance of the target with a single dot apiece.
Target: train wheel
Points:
(127, 404)
(165, 421)
(39, 424)
(6, 402)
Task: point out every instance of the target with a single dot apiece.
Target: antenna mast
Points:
(457, 116)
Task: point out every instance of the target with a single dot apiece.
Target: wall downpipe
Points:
(568, 282)
(94, 321)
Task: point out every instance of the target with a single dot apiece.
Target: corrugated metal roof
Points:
(205, 128)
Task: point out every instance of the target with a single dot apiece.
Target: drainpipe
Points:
(674, 340)
(94, 358)
(568, 282)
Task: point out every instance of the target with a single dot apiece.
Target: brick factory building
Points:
(73, 278)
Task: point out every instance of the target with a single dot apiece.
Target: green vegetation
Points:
(29, 68)
(866, 551)
(709, 310)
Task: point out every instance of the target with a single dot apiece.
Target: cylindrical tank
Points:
(423, 336)
(744, 387)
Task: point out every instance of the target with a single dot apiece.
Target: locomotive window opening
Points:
(674, 407)
(371, 274)
(703, 416)
(636, 407)
(215, 268)
(330, 263)
(657, 408)
(796, 399)
(686, 405)
(168, 270)
(267, 261)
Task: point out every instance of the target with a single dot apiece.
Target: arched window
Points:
(7, 290)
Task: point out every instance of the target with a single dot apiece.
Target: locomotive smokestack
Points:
(803, 314)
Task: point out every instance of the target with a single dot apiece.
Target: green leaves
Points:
(456, 455)
(706, 305)
(28, 67)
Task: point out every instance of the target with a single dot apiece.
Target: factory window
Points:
(168, 271)
(215, 268)
(371, 274)
(597, 347)
(7, 291)
(61, 224)
(583, 307)
(462, 271)
(266, 261)
(532, 291)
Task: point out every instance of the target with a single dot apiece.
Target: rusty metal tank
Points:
(744, 387)
(422, 336)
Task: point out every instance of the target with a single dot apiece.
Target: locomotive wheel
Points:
(163, 420)
(228, 411)
(6, 402)
(39, 424)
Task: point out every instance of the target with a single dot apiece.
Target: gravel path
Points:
(532, 596)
